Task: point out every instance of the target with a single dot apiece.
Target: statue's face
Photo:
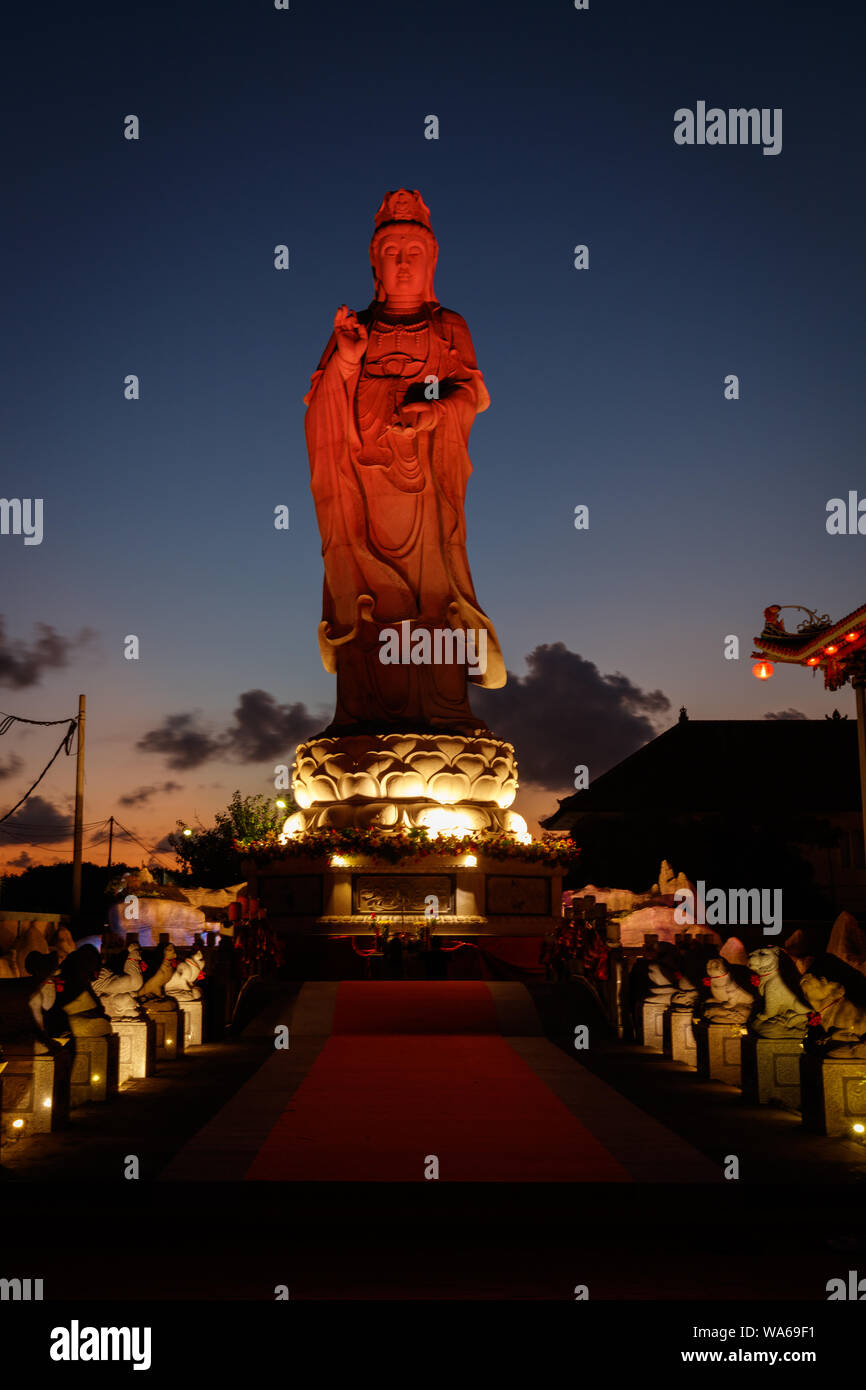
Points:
(402, 261)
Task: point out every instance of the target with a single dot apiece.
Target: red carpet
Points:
(413, 1069)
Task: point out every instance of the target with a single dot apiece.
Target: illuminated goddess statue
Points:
(389, 413)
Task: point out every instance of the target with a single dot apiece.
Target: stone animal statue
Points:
(660, 987)
(117, 993)
(87, 1018)
(848, 942)
(729, 1002)
(154, 987)
(182, 984)
(684, 999)
(781, 1013)
(843, 1020)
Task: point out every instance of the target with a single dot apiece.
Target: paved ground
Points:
(770, 1236)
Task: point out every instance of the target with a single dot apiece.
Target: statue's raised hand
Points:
(351, 336)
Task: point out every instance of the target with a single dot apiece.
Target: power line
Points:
(7, 720)
(64, 745)
(151, 852)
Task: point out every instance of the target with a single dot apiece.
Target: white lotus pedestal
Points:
(833, 1092)
(136, 1042)
(394, 783)
(680, 1043)
(771, 1071)
(718, 1052)
(652, 1022)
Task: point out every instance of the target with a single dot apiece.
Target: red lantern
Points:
(831, 650)
(763, 670)
(813, 661)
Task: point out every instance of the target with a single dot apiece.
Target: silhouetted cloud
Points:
(22, 861)
(263, 729)
(260, 730)
(182, 741)
(10, 766)
(164, 844)
(143, 794)
(39, 821)
(785, 714)
(564, 712)
(23, 664)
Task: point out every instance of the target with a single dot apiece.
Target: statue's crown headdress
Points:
(403, 205)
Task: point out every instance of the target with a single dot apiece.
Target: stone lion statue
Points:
(781, 1014)
(729, 1002)
(843, 1020)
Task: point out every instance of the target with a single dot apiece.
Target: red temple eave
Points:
(827, 647)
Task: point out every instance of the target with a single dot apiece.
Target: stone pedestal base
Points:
(468, 893)
(95, 1068)
(834, 1094)
(771, 1071)
(680, 1037)
(193, 1027)
(35, 1088)
(652, 1017)
(166, 1018)
(718, 1050)
(136, 1048)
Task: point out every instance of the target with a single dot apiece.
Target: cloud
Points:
(785, 714)
(39, 821)
(182, 741)
(143, 794)
(564, 712)
(164, 844)
(10, 767)
(23, 664)
(260, 730)
(23, 861)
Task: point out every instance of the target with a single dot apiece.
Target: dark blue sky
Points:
(261, 127)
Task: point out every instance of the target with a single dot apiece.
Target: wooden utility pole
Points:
(110, 838)
(860, 695)
(79, 813)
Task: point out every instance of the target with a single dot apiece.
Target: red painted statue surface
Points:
(389, 413)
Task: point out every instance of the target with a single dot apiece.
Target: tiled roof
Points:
(800, 766)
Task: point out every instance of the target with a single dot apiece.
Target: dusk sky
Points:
(260, 127)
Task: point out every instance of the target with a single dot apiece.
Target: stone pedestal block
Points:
(653, 1024)
(165, 1016)
(95, 1068)
(680, 1042)
(771, 1071)
(35, 1089)
(193, 1026)
(718, 1050)
(136, 1037)
(834, 1094)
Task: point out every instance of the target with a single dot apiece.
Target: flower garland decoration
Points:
(411, 843)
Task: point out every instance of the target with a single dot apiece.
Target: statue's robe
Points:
(391, 516)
